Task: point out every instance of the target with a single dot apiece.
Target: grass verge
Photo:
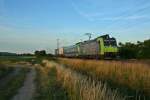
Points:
(4, 70)
(47, 86)
(12, 86)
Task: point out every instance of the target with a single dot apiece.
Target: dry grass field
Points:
(77, 79)
(48, 88)
(80, 87)
(133, 78)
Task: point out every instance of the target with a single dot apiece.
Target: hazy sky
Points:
(28, 25)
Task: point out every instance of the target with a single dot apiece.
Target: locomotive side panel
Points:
(90, 48)
(71, 51)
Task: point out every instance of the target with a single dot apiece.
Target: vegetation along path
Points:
(27, 91)
(8, 77)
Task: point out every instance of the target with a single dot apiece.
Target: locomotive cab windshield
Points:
(110, 42)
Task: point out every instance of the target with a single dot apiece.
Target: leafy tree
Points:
(128, 50)
(40, 53)
(138, 50)
(145, 49)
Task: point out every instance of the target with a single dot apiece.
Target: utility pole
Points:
(57, 43)
(89, 35)
(81, 40)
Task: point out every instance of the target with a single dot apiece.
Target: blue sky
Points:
(29, 25)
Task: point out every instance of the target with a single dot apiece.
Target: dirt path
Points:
(26, 92)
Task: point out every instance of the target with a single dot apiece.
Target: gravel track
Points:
(26, 92)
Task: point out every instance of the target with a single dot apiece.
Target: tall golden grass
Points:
(133, 75)
(42, 83)
(48, 88)
(79, 87)
(42, 77)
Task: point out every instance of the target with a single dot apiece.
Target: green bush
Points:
(140, 50)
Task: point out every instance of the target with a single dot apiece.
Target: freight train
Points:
(101, 47)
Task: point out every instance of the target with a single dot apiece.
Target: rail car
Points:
(100, 47)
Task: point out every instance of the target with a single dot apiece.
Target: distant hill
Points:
(7, 54)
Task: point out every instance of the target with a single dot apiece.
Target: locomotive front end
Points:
(108, 47)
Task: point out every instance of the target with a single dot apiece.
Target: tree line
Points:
(42, 53)
(139, 50)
